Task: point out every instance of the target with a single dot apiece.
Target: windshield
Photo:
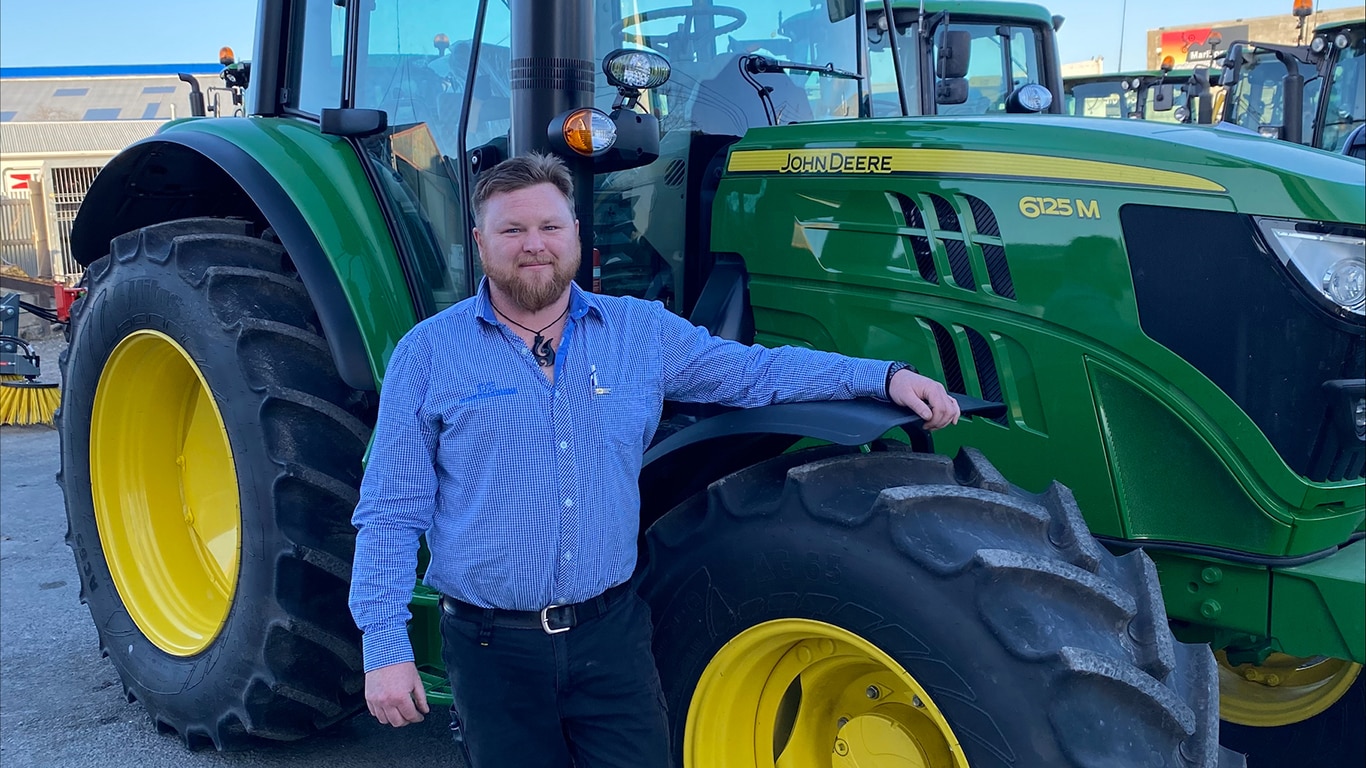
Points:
(1004, 57)
(1345, 106)
(1099, 99)
(704, 43)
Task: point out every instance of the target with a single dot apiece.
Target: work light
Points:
(1330, 265)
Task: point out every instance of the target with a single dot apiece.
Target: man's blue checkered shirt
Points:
(527, 491)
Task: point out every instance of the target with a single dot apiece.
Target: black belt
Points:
(553, 619)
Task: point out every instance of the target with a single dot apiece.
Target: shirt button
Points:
(563, 445)
(569, 502)
(568, 556)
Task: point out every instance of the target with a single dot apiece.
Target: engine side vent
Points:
(960, 264)
(998, 271)
(675, 173)
(985, 363)
(920, 244)
(948, 217)
(982, 216)
(948, 357)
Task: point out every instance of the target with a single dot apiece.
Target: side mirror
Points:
(1164, 97)
(354, 122)
(954, 49)
(1233, 60)
(951, 91)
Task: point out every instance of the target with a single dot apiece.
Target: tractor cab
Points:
(1165, 95)
(427, 91)
(1312, 94)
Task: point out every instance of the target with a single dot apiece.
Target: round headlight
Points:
(1345, 283)
(1182, 114)
(1342, 40)
(630, 68)
(1035, 97)
(1318, 44)
(1125, 84)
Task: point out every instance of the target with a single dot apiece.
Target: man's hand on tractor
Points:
(395, 694)
(927, 397)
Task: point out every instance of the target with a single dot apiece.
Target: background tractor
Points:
(826, 589)
(1312, 94)
(1164, 95)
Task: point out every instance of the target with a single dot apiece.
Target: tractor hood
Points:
(1254, 175)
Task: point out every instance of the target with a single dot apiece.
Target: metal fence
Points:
(17, 247)
(66, 189)
(43, 251)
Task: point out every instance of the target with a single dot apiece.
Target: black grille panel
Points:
(983, 217)
(948, 217)
(998, 270)
(1217, 298)
(985, 363)
(959, 264)
(948, 357)
(920, 245)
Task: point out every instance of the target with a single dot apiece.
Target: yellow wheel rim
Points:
(165, 492)
(795, 693)
(1284, 690)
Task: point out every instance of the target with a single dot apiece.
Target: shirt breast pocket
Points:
(621, 414)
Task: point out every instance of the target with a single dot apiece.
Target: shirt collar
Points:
(581, 303)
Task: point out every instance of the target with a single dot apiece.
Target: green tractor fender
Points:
(329, 228)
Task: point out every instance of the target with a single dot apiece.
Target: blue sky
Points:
(75, 32)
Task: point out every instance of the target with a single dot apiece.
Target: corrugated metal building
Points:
(58, 127)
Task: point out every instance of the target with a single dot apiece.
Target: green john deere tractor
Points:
(1164, 95)
(1323, 83)
(1170, 316)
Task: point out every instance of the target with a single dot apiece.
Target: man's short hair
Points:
(521, 172)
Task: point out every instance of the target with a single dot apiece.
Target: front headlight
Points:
(1331, 266)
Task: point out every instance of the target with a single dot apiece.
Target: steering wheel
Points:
(687, 13)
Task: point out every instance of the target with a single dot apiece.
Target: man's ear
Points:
(478, 239)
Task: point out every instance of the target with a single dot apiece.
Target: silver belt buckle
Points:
(545, 621)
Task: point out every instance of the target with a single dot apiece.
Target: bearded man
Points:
(511, 431)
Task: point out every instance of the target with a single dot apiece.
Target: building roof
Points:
(49, 138)
(109, 70)
(98, 97)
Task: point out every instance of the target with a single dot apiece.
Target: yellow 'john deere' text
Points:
(1034, 207)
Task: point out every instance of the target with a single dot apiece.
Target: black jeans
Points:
(587, 698)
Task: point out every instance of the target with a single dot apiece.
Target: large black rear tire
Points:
(987, 625)
(201, 328)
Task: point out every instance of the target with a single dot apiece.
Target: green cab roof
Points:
(1175, 74)
(1331, 26)
(992, 8)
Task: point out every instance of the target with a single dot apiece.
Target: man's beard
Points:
(540, 290)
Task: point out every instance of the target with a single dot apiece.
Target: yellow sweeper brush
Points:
(25, 403)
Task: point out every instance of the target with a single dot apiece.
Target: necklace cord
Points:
(541, 347)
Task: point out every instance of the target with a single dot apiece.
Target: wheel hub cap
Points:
(165, 492)
(796, 693)
(1282, 690)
